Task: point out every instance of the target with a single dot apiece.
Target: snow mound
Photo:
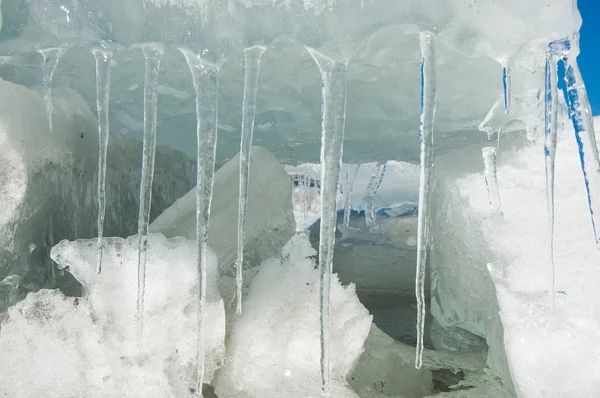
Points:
(274, 345)
(91, 341)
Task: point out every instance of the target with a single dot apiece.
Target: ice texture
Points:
(92, 341)
(48, 182)
(278, 332)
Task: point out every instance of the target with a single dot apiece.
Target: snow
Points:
(88, 346)
(549, 354)
(273, 350)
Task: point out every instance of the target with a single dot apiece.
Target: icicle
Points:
(372, 188)
(506, 85)
(348, 200)
(103, 59)
(306, 190)
(555, 52)
(153, 53)
(581, 116)
(333, 75)
(491, 179)
(426, 137)
(252, 69)
(205, 78)
(51, 58)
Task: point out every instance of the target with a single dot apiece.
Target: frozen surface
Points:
(91, 342)
(548, 353)
(48, 181)
(278, 332)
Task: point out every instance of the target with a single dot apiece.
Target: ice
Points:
(534, 335)
(306, 190)
(8, 293)
(269, 222)
(205, 76)
(380, 40)
(459, 259)
(398, 193)
(428, 103)
(153, 54)
(581, 116)
(91, 342)
(51, 58)
(103, 59)
(278, 332)
(333, 101)
(349, 188)
(550, 139)
(491, 178)
(384, 368)
(252, 68)
(372, 189)
(48, 182)
(506, 85)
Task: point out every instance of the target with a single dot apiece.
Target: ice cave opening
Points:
(286, 198)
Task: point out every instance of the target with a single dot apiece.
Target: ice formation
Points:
(364, 58)
(333, 74)
(50, 59)
(103, 58)
(152, 54)
(252, 68)
(428, 90)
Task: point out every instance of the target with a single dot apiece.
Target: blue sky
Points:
(589, 59)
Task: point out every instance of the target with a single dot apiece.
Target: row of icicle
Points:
(333, 74)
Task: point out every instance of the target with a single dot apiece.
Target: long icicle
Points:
(103, 60)
(153, 53)
(581, 116)
(206, 81)
(554, 53)
(348, 199)
(51, 58)
(252, 57)
(491, 179)
(333, 75)
(428, 88)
